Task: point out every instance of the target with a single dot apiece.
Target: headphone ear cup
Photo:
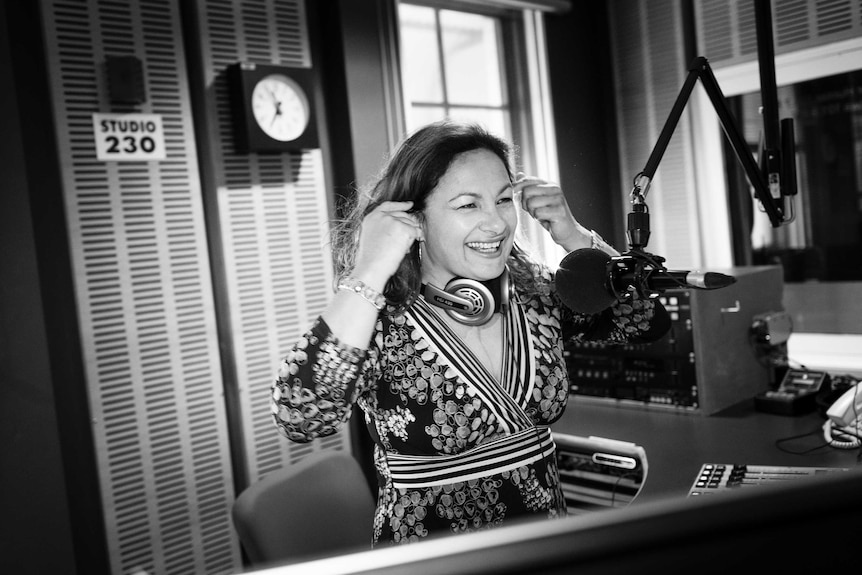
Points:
(478, 294)
(507, 291)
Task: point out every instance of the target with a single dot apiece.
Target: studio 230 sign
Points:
(129, 137)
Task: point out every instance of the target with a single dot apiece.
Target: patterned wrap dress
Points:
(455, 450)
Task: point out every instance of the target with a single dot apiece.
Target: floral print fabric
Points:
(455, 449)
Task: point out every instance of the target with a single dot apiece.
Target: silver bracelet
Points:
(596, 240)
(358, 287)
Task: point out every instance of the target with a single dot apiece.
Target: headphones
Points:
(472, 302)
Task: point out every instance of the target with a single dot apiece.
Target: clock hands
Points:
(277, 112)
(277, 103)
(280, 112)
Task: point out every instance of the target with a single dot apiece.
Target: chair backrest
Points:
(321, 506)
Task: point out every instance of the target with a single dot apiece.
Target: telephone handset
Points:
(843, 427)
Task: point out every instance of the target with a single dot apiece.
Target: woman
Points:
(457, 401)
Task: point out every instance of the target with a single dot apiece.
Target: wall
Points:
(46, 449)
(29, 437)
(579, 56)
(136, 314)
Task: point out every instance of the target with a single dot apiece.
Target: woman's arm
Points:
(633, 320)
(546, 203)
(319, 379)
(317, 384)
(386, 235)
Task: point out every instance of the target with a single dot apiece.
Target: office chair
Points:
(321, 506)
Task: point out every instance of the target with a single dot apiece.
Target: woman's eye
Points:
(504, 200)
(466, 206)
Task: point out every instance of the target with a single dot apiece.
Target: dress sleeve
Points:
(633, 320)
(317, 385)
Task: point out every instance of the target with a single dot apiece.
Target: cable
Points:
(841, 437)
(848, 436)
(813, 433)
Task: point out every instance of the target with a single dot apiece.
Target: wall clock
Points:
(273, 108)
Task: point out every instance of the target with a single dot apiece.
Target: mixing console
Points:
(718, 477)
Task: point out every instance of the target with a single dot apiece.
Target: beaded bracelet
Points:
(358, 287)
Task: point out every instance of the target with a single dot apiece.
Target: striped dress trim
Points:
(519, 366)
(518, 361)
(504, 454)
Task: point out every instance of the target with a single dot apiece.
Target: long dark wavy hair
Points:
(411, 174)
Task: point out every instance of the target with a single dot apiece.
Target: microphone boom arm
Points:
(699, 69)
(775, 180)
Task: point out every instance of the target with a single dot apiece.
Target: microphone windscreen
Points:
(715, 280)
(582, 281)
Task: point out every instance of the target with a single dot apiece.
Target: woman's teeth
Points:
(484, 246)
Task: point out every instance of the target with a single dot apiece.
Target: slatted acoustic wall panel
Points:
(273, 221)
(650, 68)
(727, 32)
(143, 288)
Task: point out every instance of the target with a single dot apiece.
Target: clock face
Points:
(280, 107)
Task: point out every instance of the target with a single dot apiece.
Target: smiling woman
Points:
(457, 401)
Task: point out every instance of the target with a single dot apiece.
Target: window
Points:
(826, 316)
(451, 68)
(819, 88)
(825, 240)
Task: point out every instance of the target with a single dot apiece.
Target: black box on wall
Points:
(707, 361)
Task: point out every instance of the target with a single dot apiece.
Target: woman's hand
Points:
(386, 235)
(546, 203)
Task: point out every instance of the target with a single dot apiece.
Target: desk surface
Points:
(677, 444)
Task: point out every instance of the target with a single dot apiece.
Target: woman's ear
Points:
(420, 220)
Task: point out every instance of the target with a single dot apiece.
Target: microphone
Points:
(590, 281)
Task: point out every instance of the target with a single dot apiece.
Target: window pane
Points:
(492, 120)
(420, 62)
(418, 116)
(824, 242)
(471, 57)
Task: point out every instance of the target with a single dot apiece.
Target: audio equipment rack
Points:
(705, 363)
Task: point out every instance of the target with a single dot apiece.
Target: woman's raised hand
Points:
(386, 235)
(547, 204)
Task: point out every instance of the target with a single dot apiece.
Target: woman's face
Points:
(470, 220)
